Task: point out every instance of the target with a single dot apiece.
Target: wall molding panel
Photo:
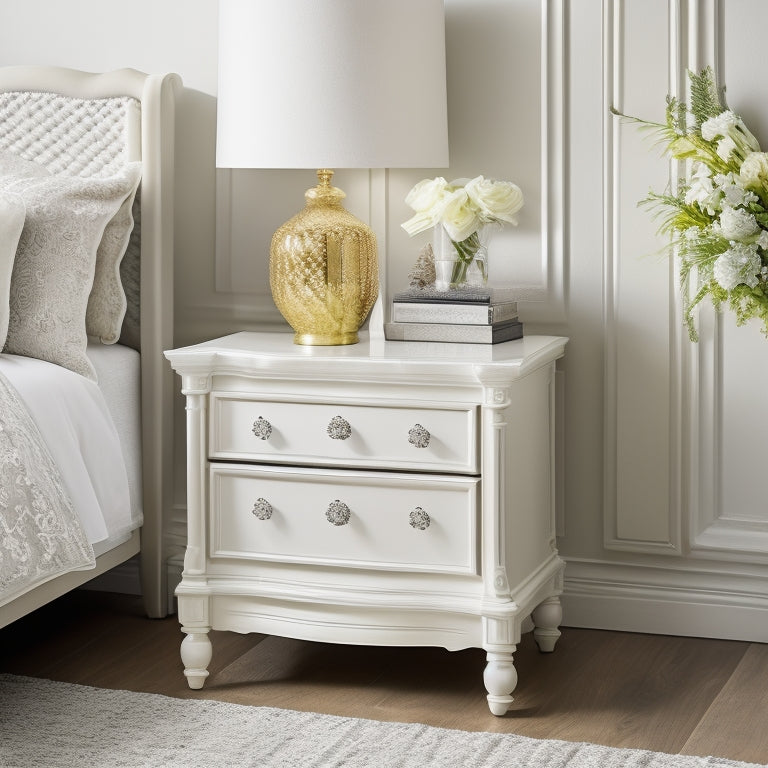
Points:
(554, 121)
(643, 364)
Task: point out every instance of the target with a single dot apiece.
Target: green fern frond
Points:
(677, 115)
(706, 100)
(675, 214)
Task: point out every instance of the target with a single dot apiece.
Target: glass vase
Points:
(460, 264)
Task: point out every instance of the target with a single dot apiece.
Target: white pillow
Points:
(56, 258)
(12, 210)
(107, 301)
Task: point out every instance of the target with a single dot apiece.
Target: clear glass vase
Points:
(460, 264)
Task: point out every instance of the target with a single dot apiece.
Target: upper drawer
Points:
(439, 438)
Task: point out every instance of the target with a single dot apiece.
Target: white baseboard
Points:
(726, 604)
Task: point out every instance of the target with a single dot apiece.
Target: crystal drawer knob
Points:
(339, 428)
(419, 519)
(262, 429)
(338, 513)
(262, 509)
(418, 436)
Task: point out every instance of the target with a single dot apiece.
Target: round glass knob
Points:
(418, 436)
(338, 513)
(262, 429)
(339, 428)
(262, 509)
(419, 519)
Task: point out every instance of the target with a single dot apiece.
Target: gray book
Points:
(469, 295)
(450, 312)
(459, 333)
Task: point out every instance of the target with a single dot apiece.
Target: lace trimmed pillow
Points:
(107, 302)
(12, 210)
(55, 261)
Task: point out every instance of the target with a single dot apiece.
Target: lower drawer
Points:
(345, 518)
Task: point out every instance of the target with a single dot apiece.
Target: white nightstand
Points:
(385, 493)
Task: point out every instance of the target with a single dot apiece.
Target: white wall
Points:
(662, 518)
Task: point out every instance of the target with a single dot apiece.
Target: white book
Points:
(448, 312)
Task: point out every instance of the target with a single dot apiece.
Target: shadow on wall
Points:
(195, 210)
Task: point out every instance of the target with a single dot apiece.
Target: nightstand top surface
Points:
(255, 351)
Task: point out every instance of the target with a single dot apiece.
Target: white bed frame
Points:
(157, 95)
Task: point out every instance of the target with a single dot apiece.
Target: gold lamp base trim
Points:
(325, 339)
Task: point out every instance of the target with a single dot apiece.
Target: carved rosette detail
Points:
(419, 436)
(262, 428)
(419, 519)
(262, 509)
(339, 428)
(338, 513)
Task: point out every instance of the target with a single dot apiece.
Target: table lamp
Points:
(325, 84)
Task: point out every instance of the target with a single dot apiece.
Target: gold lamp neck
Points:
(324, 193)
(324, 176)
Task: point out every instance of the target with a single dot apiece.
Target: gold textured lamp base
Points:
(323, 269)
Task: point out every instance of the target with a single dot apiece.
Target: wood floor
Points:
(668, 694)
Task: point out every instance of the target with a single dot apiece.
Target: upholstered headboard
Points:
(88, 124)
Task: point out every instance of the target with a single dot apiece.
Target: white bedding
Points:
(72, 414)
(119, 378)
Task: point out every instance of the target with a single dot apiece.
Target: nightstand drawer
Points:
(345, 518)
(440, 437)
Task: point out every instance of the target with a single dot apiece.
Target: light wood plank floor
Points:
(668, 694)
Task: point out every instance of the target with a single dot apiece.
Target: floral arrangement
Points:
(462, 207)
(718, 217)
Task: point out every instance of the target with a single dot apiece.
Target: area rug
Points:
(46, 723)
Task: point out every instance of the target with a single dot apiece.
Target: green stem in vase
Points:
(466, 250)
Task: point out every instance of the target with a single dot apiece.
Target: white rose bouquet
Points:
(718, 218)
(462, 207)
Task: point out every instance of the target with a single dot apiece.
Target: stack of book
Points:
(475, 316)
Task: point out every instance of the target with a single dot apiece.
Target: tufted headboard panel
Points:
(79, 137)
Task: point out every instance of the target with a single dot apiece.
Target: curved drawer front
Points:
(347, 518)
(442, 438)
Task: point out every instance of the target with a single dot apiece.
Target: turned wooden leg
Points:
(500, 679)
(547, 618)
(196, 652)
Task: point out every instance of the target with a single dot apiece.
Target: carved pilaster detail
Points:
(495, 402)
(195, 384)
(500, 581)
(194, 559)
(498, 397)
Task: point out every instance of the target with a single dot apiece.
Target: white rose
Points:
(427, 194)
(426, 198)
(496, 200)
(754, 171)
(458, 216)
(737, 224)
